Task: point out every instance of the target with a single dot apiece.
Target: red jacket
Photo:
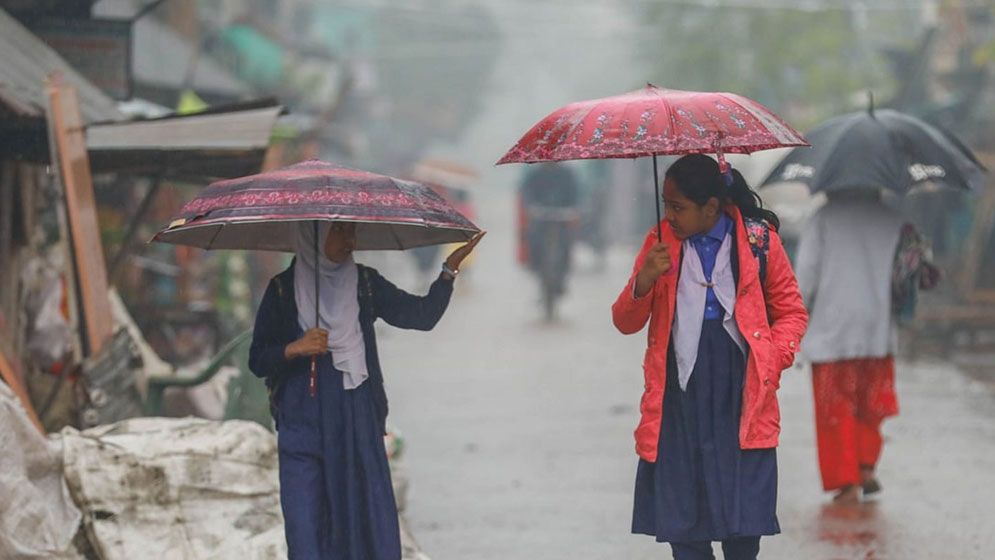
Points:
(772, 320)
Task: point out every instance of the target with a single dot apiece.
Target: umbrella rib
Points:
(421, 215)
(902, 153)
(210, 243)
(581, 120)
(755, 113)
(397, 239)
(732, 103)
(817, 177)
(669, 112)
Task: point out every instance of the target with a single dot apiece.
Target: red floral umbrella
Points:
(654, 121)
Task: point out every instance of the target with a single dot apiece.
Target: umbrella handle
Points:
(656, 197)
(312, 378)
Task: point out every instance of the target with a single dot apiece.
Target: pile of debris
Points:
(184, 488)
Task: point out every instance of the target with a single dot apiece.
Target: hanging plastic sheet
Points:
(37, 516)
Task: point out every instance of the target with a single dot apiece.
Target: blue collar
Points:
(718, 231)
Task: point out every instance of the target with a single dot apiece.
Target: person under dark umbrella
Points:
(335, 485)
(858, 263)
(846, 267)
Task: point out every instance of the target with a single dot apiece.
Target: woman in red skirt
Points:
(845, 267)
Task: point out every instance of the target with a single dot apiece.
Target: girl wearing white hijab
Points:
(335, 488)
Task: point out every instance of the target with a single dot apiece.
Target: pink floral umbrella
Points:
(262, 212)
(259, 212)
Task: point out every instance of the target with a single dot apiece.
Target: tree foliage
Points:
(806, 65)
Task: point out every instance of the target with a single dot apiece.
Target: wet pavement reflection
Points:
(853, 527)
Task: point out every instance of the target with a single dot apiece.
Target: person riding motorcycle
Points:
(548, 218)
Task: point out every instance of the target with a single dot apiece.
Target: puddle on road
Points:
(857, 529)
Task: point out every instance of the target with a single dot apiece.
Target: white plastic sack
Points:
(177, 489)
(37, 516)
(182, 489)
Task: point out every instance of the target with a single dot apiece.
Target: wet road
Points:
(520, 436)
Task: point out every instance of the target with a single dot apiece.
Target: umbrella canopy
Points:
(879, 149)
(654, 121)
(258, 212)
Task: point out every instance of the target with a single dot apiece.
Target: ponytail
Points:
(698, 177)
(749, 202)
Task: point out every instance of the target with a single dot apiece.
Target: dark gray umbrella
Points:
(879, 149)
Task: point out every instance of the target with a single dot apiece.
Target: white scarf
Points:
(339, 302)
(690, 314)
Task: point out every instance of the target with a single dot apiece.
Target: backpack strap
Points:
(368, 317)
(758, 234)
(366, 292)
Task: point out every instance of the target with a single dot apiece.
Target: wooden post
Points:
(70, 155)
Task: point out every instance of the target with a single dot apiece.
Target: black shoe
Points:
(871, 486)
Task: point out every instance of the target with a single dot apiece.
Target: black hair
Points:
(698, 178)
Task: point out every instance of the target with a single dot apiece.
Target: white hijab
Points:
(338, 302)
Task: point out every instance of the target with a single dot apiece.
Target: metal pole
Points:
(124, 250)
(317, 288)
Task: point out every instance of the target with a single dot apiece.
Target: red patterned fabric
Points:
(654, 121)
(852, 398)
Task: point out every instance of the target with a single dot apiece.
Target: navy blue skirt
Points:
(703, 487)
(335, 488)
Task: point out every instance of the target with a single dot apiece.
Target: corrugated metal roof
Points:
(234, 130)
(27, 62)
(222, 142)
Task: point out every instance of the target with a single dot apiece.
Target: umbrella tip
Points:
(870, 103)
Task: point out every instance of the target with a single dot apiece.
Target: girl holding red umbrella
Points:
(725, 318)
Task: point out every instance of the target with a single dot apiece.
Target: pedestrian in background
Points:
(849, 257)
(725, 318)
(548, 218)
(549, 197)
